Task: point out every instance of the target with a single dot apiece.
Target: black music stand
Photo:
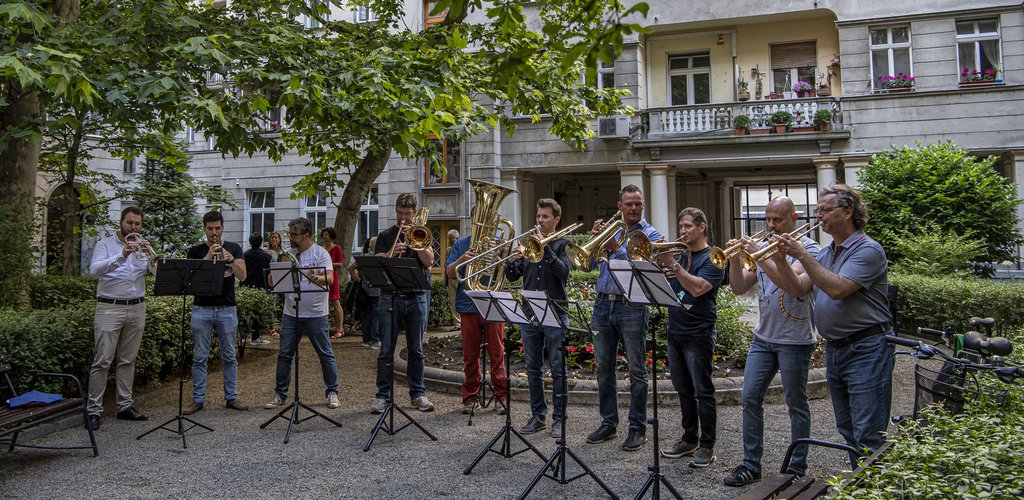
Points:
(291, 279)
(185, 277)
(502, 307)
(546, 313)
(394, 276)
(645, 283)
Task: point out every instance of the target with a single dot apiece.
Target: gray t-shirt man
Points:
(783, 318)
(863, 261)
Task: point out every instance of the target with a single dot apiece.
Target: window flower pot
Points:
(780, 128)
(743, 96)
(979, 84)
(804, 128)
(758, 131)
(741, 131)
(824, 127)
(824, 91)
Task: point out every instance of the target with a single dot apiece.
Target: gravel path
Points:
(239, 459)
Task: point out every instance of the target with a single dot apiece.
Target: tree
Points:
(940, 187)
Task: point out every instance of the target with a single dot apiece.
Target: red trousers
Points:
(473, 328)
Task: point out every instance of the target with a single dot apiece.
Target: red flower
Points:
(589, 348)
(572, 348)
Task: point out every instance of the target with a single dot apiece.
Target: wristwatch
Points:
(676, 267)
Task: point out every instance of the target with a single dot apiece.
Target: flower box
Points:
(757, 131)
(804, 128)
(980, 84)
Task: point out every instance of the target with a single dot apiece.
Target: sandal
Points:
(274, 333)
(337, 334)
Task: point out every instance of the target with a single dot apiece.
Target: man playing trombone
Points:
(548, 274)
(410, 312)
(783, 342)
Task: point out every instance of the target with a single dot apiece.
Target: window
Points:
(749, 202)
(605, 75)
(791, 63)
(273, 120)
(428, 19)
(129, 166)
(323, 14)
(315, 209)
(977, 45)
(190, 135)
(689, 79)
(363, 14)
(890, 52)
(261, 212)
(451, 154)
(366, 228)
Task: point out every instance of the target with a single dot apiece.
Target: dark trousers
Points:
(690, 364)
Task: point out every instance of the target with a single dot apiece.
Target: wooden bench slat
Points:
(797, 487)
(816, 490)
(10, 417)
(769, 486)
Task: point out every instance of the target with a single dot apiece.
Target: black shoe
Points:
(680, 449)
(634, 440)
(740, 476)
(533, 425)
(94, 422)
(602, 434)
(131, 414)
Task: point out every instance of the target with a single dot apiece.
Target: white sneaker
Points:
(259, 342)
(378, 406)
(332, 400)
(277, 402)
(423, 404)
(375, 345)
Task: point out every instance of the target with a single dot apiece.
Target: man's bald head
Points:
(781, 215)
(783, 203)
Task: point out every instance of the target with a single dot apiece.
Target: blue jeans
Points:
(860, 380)
(764, 360)
(404, 312)
(689, 361)
(292, 330)
(371, 321)
(536, 342)
(204, 320)
(615, 322)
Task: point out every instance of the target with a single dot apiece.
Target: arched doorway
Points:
(63, 225)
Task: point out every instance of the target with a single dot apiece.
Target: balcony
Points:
(706, 121)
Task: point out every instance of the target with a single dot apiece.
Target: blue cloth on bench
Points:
(33, 398)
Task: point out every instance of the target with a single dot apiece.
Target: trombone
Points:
(533, 252)
(580, 255)
(487, 254)
(720, 257)
(419, 234)
(639, 247)
(750, 260)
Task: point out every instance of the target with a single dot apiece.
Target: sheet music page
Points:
(622, 273)
(538, 302)
(482, 302)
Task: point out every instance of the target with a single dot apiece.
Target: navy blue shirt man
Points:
(691, 338)
(614, 320)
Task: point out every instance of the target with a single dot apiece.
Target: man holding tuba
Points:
(783, 342)
(549, 275)
(613, 321)
(409, 312)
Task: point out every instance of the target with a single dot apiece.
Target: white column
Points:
(631, 174)
(657, 207)
(725, 226)
(673, 202)
(512, 207)
(1017, 171)
(851, 169)
(826, 167)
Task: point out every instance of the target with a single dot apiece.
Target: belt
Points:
(870, 331)
(121, 302)
(611, 297)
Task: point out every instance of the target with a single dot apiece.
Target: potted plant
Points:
(823, 119)
(892, 84)
(781, 120)
(742, 93)
(802, 88)
(824, 90)
(975, 78)
(742, 124)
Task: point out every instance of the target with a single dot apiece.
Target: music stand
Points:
(502, 307)
(394, 276)
(645, 283)
(289, 278)
(546, 313)
(185, 277)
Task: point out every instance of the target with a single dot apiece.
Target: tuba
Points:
(487, 236)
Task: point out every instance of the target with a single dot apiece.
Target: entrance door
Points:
(439, 231)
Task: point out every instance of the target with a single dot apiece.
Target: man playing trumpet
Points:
(783, 342)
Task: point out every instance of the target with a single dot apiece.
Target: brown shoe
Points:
(191, 408)
(235, 405)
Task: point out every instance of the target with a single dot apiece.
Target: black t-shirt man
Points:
(227, 294)
(386, 240)
(698, 314)
(257, 261)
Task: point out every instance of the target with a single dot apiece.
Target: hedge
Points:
(950, 302)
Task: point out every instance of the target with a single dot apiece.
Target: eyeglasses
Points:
(295, 234)
(824, 210)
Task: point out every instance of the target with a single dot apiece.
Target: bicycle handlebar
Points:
(1006, 374)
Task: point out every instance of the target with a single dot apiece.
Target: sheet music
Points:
(622, 273)
(482, 302)
(538, 302)
(282, 279)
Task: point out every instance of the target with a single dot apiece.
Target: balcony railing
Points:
(704, 118)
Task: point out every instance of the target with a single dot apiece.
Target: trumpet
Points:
(640, 247)
(219, 254)
(720, 257)
(750, 260)
(534, 246)
(418, 236)
(580, 255)
(143, 252)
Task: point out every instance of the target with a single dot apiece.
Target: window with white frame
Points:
(364, 14)
(314, 22)
(314, 208)
(890, 52)
(689, 79)
(260, 210)
(367, 228)
(129, 166)
(977, 45)
(450, 172)
(791, 63)
(605, 75)
(189, 135)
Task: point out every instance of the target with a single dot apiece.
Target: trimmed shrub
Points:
(439, 312)
(52, 291)
(734, 334)
(936, 252)
(940, 302)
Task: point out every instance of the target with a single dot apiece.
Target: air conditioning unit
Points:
(613, 127)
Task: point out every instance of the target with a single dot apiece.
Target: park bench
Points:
(783, 485)
(14, 421)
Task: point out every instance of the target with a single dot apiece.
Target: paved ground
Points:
(240, 460)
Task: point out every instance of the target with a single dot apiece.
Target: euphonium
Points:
(720, 257)
(640, 247)
(486, 234)
(750, 260)
(579, 256)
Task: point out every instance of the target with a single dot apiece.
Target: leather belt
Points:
(121, 302)
(611, 297)
(870, 331)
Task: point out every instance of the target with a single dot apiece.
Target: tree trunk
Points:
(19, 162)
(358, 185)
